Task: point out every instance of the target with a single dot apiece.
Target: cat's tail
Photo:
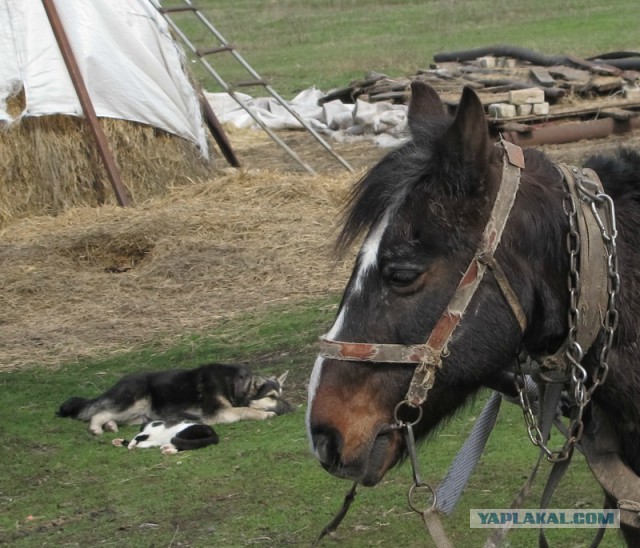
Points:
(73, 407)
(196, 437)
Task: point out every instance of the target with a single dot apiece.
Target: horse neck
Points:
(534, 249)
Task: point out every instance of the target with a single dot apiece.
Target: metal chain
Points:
(533, 429)
(611, 317)
(574, 353)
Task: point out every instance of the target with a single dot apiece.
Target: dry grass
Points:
(95, 281)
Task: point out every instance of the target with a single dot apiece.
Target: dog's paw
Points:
(117, 442)
(168, 449)
(269, 415)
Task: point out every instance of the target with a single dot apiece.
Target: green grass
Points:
(296, 44)
(62, 486)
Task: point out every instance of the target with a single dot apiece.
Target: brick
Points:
(541, 109)
(542, 75)
(526, 96)
(631, 92)
(502, 110)
(524, 110)
(487, 62)
(507, 62)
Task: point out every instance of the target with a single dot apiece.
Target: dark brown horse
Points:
(423, 210)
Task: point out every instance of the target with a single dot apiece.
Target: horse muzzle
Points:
(366, 464)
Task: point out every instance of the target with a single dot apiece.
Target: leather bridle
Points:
(428, 356)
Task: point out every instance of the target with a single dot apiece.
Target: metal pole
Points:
(271, 91)
(85, 102)
(232, 94)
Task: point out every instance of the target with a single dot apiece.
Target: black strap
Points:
(333, 524)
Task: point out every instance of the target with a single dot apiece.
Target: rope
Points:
(631, 505)
(337, 520)
(434, 526)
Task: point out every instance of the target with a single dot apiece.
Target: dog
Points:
(171, 437)
(213, 393)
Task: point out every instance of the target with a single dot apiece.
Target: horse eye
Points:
(402, 277)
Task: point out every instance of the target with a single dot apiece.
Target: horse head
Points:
(423, 210)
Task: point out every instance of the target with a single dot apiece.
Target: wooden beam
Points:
(85, 102)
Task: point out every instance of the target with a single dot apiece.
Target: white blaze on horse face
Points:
(369, 252)
(317, 371)
(313, 386)
(368, 259)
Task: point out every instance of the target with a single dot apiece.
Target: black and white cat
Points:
(171, 437)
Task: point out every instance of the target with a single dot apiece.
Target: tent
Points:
(135, 77)
(132, 67)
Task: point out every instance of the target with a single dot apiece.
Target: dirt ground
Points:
(96, 282)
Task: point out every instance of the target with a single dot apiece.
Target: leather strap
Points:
(508, 292)
(592, 300)
(424, 374)
(371, 352)
(602, 450)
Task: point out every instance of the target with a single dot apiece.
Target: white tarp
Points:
(130, 64)
(382, 122)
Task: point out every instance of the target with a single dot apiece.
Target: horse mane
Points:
(386, 186)
(619, 172)
(424, 160)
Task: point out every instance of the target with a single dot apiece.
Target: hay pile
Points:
(93, 281)
(49, 164)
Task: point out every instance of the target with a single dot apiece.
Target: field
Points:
(241, 269)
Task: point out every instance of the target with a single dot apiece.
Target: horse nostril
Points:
(328, 444)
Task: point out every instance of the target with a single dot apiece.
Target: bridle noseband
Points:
(428, 356)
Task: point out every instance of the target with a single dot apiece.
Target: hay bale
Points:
(49, 164)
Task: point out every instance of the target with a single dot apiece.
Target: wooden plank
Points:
(578, 110)
(515, 126)
(400, 96)
(542, 76)
(570, 74)
(603, 84)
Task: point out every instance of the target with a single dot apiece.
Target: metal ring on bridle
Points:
(410, 495)
(405, 402)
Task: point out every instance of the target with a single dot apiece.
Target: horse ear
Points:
(469, 133)
(425, 103)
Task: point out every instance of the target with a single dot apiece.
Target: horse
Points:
(422, 213)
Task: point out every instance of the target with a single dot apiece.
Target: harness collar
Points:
(591, 278)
